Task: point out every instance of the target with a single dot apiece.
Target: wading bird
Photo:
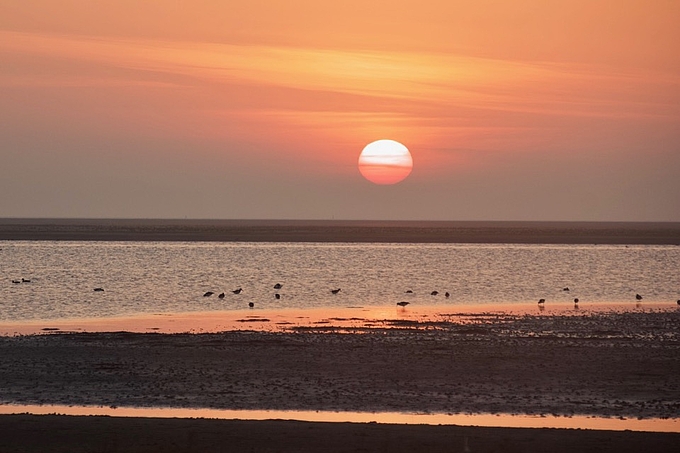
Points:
(335, 291)
(402, 304)
(208, 294)
(237, 291)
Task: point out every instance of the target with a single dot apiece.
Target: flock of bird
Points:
(541, 302)
(278, 286)
(237, 291)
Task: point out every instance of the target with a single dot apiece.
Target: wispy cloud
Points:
(443, 80)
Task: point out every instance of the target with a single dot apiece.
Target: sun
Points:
(385, 162)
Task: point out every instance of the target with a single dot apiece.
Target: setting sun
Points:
(385, 162)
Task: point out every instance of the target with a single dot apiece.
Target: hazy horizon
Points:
(523, 111)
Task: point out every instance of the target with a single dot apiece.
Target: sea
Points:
(57, 279)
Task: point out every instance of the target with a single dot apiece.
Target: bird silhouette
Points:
(638, 297)
(565, 289)
(408, 291)
(277, 295)
(335, 291)
(221, 296)
(24, 280)
(434, 293)
(278, 286)
(237, 291)
(99, 289)
(251, 305)
(402, 304)
(446, 294)
(208, 294)
(576, 300)
(16, 281)
(541, 301)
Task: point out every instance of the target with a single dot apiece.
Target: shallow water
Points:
(165, 277)
(489, 420)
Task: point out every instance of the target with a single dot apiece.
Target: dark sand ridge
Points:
(340, 231)
(618, 364)
(56, 434)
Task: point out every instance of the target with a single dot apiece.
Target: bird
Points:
(277, 295)
(434, 293)
(99, 290)
(208, 294)
(409, 291)
(251, 305)
(25, 280)
(576, 300)
(16, 281)
(237, 291)
(678, 301)
(278, 286)
(221, 296)
(446, 294)
(335, 291)
(402, 304)
(638, 297)
(541, 301)
(565, 289)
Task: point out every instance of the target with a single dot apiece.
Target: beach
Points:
(619, 364)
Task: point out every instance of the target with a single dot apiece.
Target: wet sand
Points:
(340, 231)
(619, 364)
(19, 433)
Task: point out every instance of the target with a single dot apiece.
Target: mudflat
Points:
(608, 364)
(340, 231)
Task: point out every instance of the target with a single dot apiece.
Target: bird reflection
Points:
(541, 304)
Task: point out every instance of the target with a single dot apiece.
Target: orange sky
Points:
(526, 110)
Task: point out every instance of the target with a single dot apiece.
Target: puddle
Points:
(486, 420)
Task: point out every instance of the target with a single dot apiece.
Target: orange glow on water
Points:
(490, 420)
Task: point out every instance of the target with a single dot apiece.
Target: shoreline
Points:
(355, 319)
(631, 233)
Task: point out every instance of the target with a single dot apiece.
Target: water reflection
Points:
(355, 319)
(154, 277)
(488, 420)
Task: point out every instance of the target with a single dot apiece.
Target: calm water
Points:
(153, 277)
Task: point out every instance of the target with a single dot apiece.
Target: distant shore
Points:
(340, 231)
